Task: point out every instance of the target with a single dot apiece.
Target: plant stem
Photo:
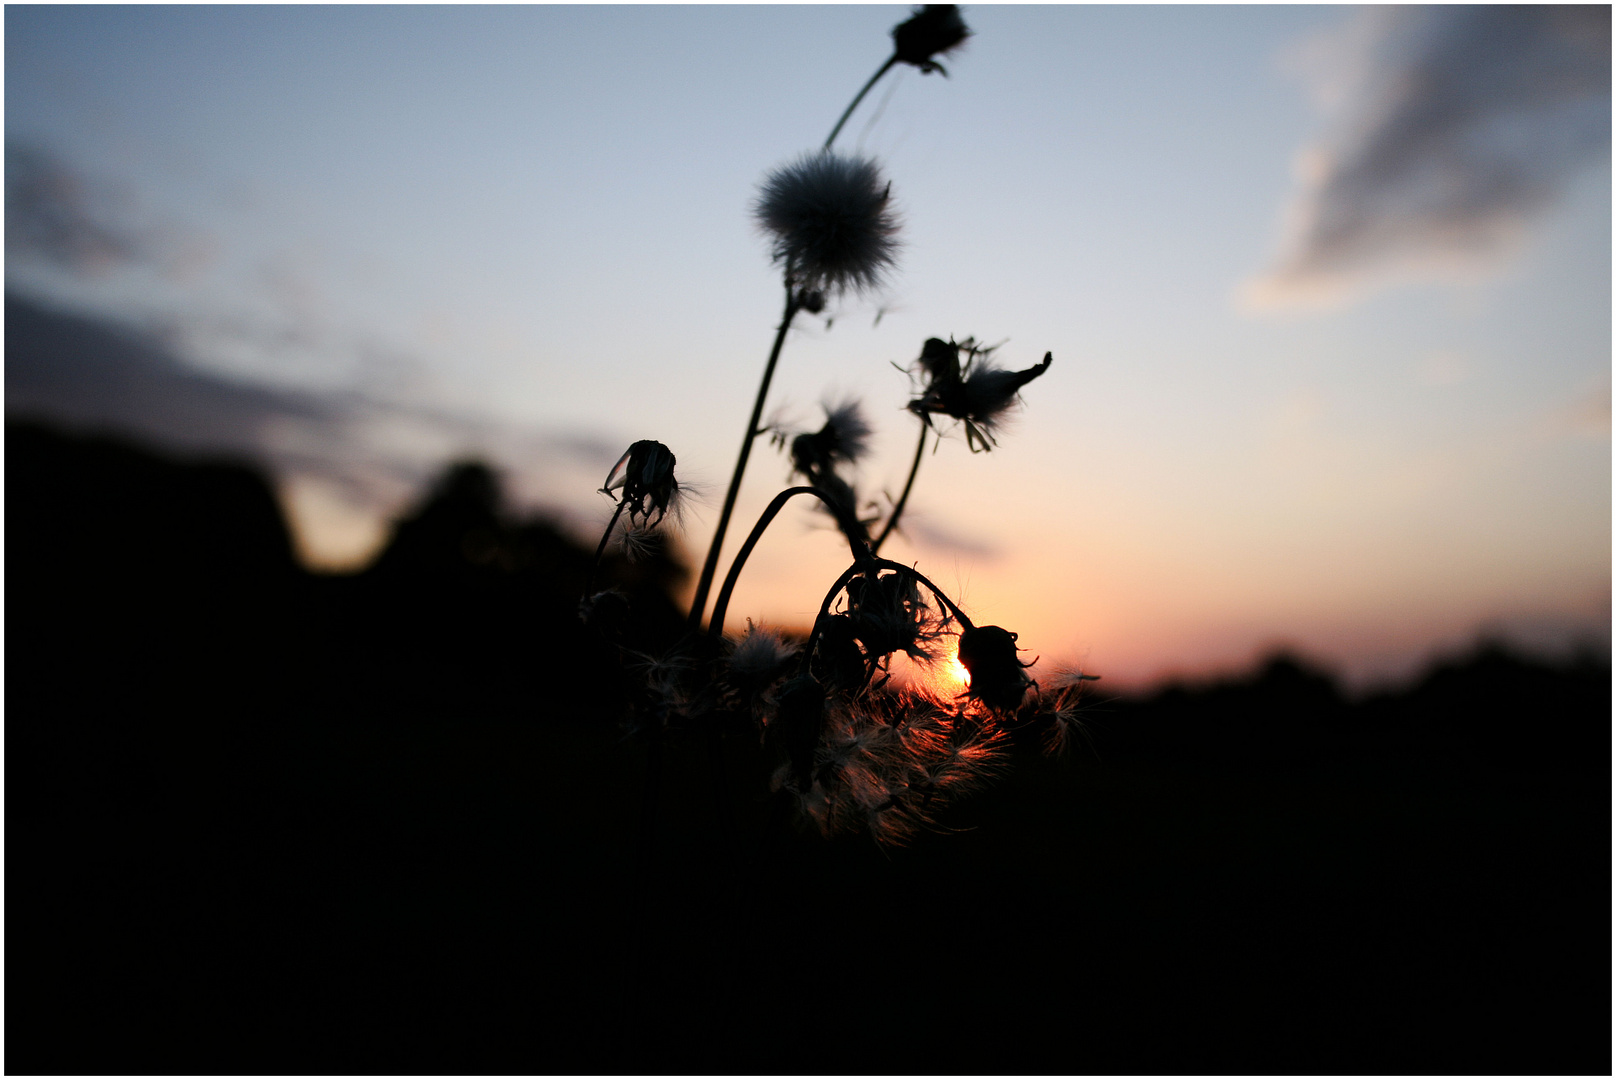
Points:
(699, 604)
(884, 68)
(897, 509)
(589, 582)
(715, 626)
(824, 609)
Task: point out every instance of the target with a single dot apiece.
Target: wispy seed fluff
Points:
(761, 656)
(832, 221)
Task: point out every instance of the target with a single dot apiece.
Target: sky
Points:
(1328, 291)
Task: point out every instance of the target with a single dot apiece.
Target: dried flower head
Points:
(889, 616)
(645, 475)
(977, 393)
(998, 676)
(934, 29)
(832, 222)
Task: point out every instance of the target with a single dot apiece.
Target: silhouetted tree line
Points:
(260, 819)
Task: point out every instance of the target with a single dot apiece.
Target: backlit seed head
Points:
(832, 223)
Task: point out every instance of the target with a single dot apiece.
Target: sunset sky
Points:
(1328, 289)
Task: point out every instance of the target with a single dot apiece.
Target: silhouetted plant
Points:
(852, 751)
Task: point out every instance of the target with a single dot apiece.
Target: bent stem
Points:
(897, 509)
(699, 604)
(715, 626)
(862, 566)
(882, 70)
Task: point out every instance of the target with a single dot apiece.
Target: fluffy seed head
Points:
(832, 223)
(844, 439)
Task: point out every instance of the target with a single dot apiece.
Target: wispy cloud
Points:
(1453, 127)
(56, 214)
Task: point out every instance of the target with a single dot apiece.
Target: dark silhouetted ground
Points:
(265, 821)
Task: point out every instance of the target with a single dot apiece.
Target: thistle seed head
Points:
(832, 223)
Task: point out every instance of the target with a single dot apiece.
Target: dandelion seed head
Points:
(832, 221)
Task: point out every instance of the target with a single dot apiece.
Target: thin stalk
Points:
(884, 68)
(908, 486)
(699, 604)
(715, 626)
(589, 582)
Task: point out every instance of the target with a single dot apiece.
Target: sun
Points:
(951, 674)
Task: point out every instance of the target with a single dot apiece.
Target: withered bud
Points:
(645, 475)
(998, 677)
(934, 29)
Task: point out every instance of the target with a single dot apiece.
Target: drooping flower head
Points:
(998, 676)
(890, 616)
(934, 29)
(832, 222)
(645, 475)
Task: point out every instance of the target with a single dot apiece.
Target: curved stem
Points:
(699, 604)
(715, 626)
(824, 609)
(884, 68)
(589, 582)
(862, 566)
(897, 509)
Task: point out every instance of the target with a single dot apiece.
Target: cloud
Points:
(56, 214)
(1454, 127)
(347, 461)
